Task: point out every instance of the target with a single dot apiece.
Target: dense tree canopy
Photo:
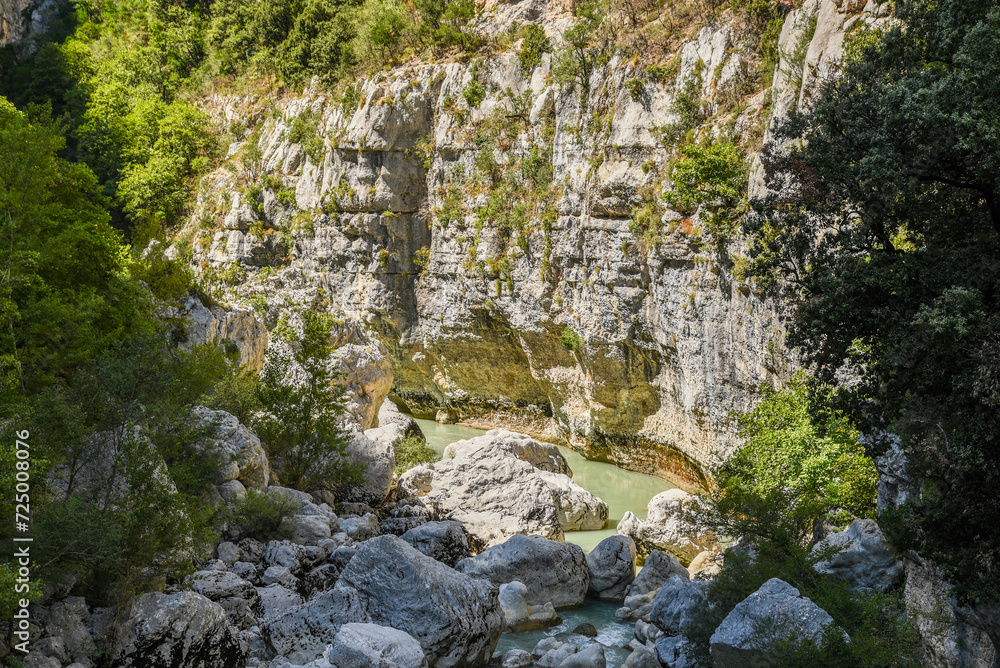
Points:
(886, 222)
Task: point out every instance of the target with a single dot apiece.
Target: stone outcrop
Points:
(180, 629)
(444, 541)
(302, 633)
(379, 460)
(374, 646)
(775, 613)
(666, 342)
(612, 568)
(394, 425)
(674, 525)
(240, 453)
(520, 615)
(863, 559)
(457, 619)
(954, 636)
(484, 484)
(553, 572)
(676, 605)
(211, 323)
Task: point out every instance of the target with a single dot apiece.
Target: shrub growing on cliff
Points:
(534, 43)
(570, 339)
(712, 179)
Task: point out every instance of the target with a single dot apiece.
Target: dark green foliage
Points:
(259, 515)
(305, 131)
(299, 422)
(534, 43)
(898, 171)
(580, 55)
(412, 451)
(689, 108)
(570, 339)
(474, 93)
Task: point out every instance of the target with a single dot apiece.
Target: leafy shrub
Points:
(422, 258)
(800, 464)
(259, 515)
(534, 43)
(474, 93)
(412, 451)
(299, 421)
(577, 61)
(570, 339)
(880, 633)
(714, 178)
(636, 87)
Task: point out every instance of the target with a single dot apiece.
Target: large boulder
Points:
(659, 568)
(863, 559)
(394, 425)
(612, 568)
(374, 646)
(379, 460)
(444, 541)
(241, 455)
(502, 484)
(302, 633)
(543, 456)
(367, 371)
(182, 629)
(953, 636)
(773, 615)
(676, 604)
(457, 619)
(553, 572)
(674, 524)
(217, 585)
(68, 620)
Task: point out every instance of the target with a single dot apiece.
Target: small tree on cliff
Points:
(302, 409)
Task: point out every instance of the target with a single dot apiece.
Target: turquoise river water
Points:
(623, 491)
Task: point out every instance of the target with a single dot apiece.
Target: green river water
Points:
(623, 491)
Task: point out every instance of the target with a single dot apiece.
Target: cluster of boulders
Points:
(403, 586)
(665, 598)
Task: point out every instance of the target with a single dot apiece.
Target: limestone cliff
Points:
(544, 308)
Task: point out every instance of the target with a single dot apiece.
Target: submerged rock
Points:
(553, 572)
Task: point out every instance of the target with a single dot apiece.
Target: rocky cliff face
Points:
(535, 301)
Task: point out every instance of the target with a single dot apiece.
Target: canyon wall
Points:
(542, 307)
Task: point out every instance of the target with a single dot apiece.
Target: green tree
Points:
(793, 471)
(580, 56)
(299, 423)
(713, 179)
(885, 222)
